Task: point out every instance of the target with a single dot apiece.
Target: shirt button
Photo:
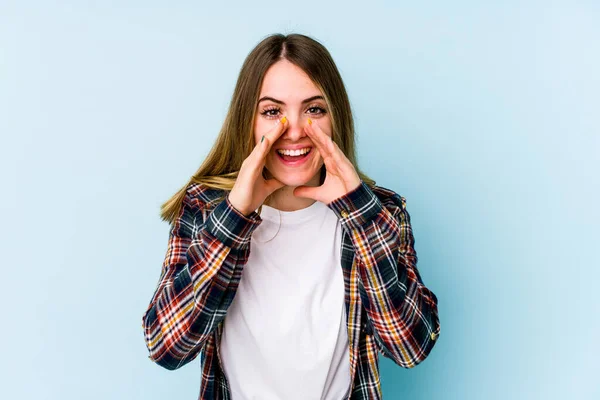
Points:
(433, 335)
(344, 214)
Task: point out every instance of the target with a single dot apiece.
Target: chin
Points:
(294, 179)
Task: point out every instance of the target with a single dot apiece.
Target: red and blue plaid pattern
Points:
(389, 308)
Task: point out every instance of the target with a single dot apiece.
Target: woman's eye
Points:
(316, 110)
(273, 112)
(270, 113)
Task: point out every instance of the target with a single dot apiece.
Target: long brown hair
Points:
(236, 138)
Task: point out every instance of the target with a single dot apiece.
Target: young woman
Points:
(287, 267)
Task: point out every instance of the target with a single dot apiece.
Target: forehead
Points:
(285, 80)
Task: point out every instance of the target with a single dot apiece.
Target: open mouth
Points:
(295, 156)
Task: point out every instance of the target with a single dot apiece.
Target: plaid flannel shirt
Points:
(388, 308)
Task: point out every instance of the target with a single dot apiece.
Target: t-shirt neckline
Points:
(303, 214)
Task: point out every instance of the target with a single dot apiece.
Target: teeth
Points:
(298, 152)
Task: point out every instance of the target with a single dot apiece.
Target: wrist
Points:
(233, 202)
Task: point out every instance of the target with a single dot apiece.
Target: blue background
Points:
(485, 116)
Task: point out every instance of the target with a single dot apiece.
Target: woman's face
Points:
(288, 91)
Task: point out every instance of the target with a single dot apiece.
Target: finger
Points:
(339, 164)
(326, 153)
(333, 160)
(345, 168)
(332, 149)
(254, 159)
(325, 140)
(309, 192)
(316, 142)
(274, 134)
(339, 155)
(262, 148)
(329, 158)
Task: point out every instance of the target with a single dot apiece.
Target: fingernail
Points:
(283, 120)
(310, 121)
(263, 138)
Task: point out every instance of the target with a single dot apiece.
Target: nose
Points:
(295, 130)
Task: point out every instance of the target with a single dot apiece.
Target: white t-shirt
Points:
(285, 334)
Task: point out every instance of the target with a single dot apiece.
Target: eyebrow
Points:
(281, 102)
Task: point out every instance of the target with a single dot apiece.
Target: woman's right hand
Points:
(251, 188)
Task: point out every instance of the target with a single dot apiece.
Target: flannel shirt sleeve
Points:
(200, 274)
(402, 312)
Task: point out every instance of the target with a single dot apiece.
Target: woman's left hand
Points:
(341, 176)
